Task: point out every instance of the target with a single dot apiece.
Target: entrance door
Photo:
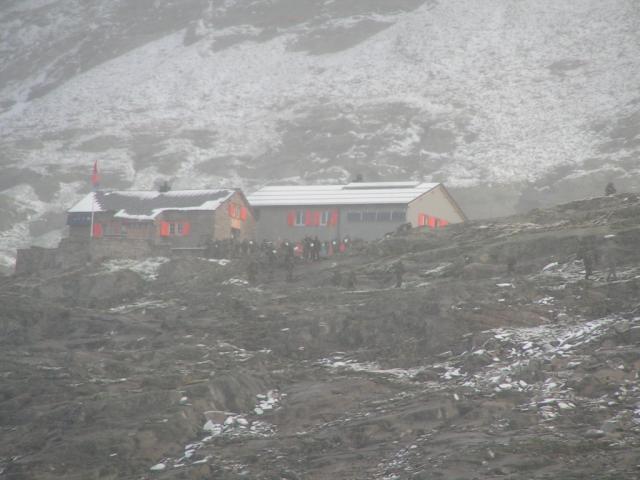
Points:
(235, 233)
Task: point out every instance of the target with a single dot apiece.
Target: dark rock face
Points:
(179, 368)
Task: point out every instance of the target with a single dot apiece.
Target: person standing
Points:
(610, 189)
(252, 270)
(289, 263)
(512, 261)
(609, 257)
(398, 270)
(336, 277)
(586, 254)
(350, 284)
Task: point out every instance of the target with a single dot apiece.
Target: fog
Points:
(311, 239)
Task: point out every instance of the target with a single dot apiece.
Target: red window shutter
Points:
(316, 218)
(443, 223)
(291, 218)
(308, 218)
(421, 220)
(243, 213)
(431, 222)
(164, 229)
(232, 210)
(97, 230)
(333, 219)
(186, 229)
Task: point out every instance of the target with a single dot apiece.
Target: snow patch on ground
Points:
(515, 351)
(339, 363)
(141, 305)
(147, 268)
(223, 262)
(239, 282)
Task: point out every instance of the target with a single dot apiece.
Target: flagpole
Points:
(95, 179)
(93, 200)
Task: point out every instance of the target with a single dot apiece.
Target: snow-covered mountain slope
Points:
(541, 95)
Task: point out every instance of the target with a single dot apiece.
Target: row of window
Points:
(430, 221)
(381, 216)
(117, 229)
(167, 229)
(323, 218)
(174, 229)
(312, 218)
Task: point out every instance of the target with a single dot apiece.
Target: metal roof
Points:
(146, 205)
(381, 193)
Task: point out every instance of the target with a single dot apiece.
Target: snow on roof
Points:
(381, 193)
(87, 204)
(368, 185)
(146, 205)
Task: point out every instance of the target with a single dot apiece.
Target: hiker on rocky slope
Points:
(609, 258)
(586, 253)
(398, 270)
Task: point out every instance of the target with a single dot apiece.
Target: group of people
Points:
(269, 256)
(591, 255)
(231, 248)
(349, 280)
(312, 248)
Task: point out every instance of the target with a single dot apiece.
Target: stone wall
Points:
(30, 260)
(72, 252)
(103, 248)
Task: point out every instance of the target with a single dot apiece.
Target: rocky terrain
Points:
(181, 369)
(539, 100)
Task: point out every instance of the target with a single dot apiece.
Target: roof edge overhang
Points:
(324, 204)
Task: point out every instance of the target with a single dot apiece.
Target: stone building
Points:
(364, 211)
(177, 218)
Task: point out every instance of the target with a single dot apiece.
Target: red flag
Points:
(95, 178)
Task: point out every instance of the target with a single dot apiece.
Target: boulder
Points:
(594, 433)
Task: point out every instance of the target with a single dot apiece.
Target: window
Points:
(384, 217)
(167, 229)
(324, 218)
(354, 216)
(398, 216)
(369, 217)
(299, 218)
(237, 211)
(377, 216)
